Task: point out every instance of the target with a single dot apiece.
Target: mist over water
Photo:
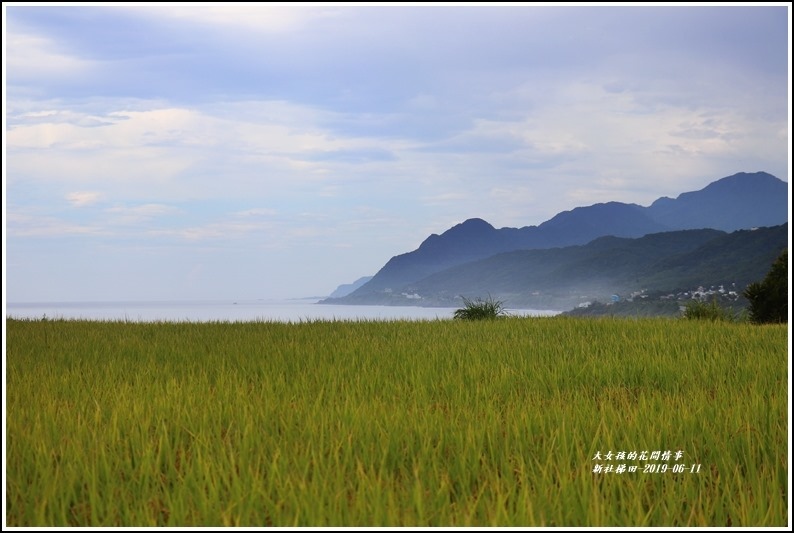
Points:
(297, 310)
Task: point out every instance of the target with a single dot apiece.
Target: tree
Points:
(769, 298)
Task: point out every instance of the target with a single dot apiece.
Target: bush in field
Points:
(480, 309)
(769, 298)
(700, 310)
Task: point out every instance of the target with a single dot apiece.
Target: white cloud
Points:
(260, 17)
(261, 132)
(139, 213)
(30, 56)
(221, 231)
(182, 154)
(256, 212)
(26, 225)
(444, 198)
(83, 198)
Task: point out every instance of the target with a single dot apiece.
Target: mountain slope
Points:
(583, 224)
(476, 239)
(741, 201)
(347, 288)
(559, 278)
(468, 241)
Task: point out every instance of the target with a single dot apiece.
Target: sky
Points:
(222, 151)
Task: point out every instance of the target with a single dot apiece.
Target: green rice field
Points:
(513, 422)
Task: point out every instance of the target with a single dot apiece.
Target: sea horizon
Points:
(298, 309)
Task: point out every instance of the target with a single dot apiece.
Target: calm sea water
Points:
(298, 310)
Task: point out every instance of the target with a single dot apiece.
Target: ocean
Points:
(290, 310)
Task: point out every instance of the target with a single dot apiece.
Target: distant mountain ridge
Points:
(740, 201)
(561, 278)
(347, 288)
(476, 239)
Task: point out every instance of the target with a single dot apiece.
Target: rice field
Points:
(512, 422)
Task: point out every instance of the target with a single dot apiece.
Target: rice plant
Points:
(518, 422)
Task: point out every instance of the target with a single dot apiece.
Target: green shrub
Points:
(700, 310)
(480, 309)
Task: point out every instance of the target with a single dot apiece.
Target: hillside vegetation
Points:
(563, 278)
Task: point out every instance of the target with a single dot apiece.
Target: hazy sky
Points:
(258, 151)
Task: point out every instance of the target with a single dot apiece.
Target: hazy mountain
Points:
(560, 278)
(347, 288)
(583, 224)
(477, 239)
(468, 241)
(743, 200)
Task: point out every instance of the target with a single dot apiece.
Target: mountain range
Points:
(473, 258)
(347, 288)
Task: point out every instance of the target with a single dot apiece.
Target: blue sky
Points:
(271, 151)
